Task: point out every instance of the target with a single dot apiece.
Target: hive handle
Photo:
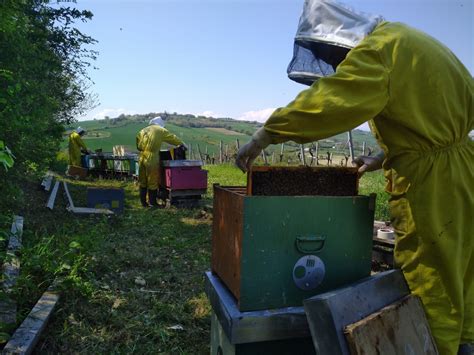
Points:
(310, 244)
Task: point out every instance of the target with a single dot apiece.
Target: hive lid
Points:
(302, 181)
(180, 163)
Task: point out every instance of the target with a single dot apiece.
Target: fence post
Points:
(237, 143)
(351, 145)
(220, 153)
(281, 152)
(264, 157)
(363, 148)
(200, 154)
(303, 158)
(317, 153)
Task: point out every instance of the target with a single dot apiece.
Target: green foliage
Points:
(43, 82)
(6, 156)
(374, 182)
(225, 175)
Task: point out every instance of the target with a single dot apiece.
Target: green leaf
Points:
(74, 245)
(4, 337)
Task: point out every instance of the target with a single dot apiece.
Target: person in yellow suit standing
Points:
(418, 99)
(76, 147)
(149, 141)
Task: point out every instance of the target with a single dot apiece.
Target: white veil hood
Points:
(328, 22)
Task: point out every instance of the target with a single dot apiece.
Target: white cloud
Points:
(260, 115)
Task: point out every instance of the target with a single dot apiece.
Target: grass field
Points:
(124, 133)
(131, 283)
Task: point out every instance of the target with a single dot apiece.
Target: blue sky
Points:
(226, 58)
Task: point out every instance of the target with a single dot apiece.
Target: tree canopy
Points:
(43, 81)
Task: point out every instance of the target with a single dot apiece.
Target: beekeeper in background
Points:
(149, 141)
(76, 147)
(418, 99)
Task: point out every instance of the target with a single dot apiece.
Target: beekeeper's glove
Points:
(369, 163)
(249, 152)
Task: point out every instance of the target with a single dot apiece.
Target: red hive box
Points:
(184, 175)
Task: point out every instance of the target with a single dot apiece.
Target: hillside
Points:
(207, 132)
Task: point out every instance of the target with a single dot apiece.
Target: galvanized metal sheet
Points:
(256, 326)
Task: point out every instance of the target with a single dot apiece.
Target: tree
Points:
(43, 81)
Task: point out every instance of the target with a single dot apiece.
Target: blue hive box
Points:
(111, 199)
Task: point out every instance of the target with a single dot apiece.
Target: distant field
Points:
(126, 135)
(207, 133)
(225, 131)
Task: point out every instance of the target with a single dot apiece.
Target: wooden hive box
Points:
(275, 251)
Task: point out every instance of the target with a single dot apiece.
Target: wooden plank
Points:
(11, 266)
(87, 210)
(227, 234)
(16, 233)
(26, 336)
(47, 181)
(83, 210)
(11, 271)
(52, 196)
(329, 313)
(69, 198)
(400, 328)
(8, 311)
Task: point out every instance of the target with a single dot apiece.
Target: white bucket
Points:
(385, 233)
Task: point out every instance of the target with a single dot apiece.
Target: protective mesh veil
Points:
(306, 66)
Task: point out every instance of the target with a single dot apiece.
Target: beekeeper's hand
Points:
(249, 152)
(369, 163)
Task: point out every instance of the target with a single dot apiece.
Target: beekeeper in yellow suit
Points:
(76, 147)
(418, 99)
(149, 141)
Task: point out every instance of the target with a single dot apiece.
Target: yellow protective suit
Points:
(149, 141)
(419, 99)
(75, 146)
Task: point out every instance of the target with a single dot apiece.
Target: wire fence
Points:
(311, 154)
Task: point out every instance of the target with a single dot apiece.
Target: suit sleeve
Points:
(170, 138)
(354, 94)
(137, 141)
(80, 143)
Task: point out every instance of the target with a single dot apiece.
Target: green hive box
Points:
(276, 251)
